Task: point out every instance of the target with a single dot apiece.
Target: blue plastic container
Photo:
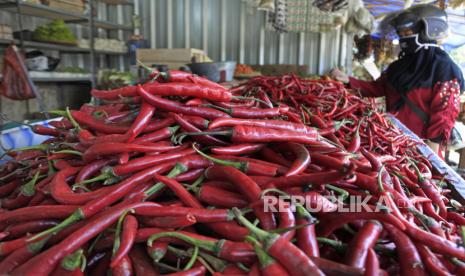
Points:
(21, 136)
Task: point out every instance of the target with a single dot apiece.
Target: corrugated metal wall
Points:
(229, 30)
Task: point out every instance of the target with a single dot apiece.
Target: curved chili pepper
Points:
(431, 261)
(123, 268)
(176, 107)
(252, 113)
(191, 175)
(306, 237)
(145, 114)
(291, 257)
(128, 235)
(372, 264)
(92, 168)
(268, 265)
(245, 166)
(272, 156)
(331, 221)
(246, 186)
(364, 240)
(240, 149)
(141, 262)
(409, 259)
(203, 139)
(62, 192)
(302, 159)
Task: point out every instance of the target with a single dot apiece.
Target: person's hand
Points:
(339, 75)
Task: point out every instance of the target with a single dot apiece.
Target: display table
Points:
(457, 182)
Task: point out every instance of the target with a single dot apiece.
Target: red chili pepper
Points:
(224, 249)
(128, 235)
(123, 268)
(145, 162)
(268, 265)
(99, 150)
(240, 149)
(364, 240)
(181, 76)
(145, 114)
(306, 237)
(170, 222)
(196, 271)
(128, 91)
(70, 265)
(271, 155)
(191, 175)
(332, 221)
(246, 187)
(431, 261)
(176, 107)
(274, 124)
(319, 178)
(43, 130)
(8, 188)
(220, 198)
(61, 191)
(204, 139)
(302, 159)
(21, 255)
(372, 264)
(252, 113)
(409, 259)
(20, 229)
(158, 135)
(92, 168)
(36, 213)
(291, 257)
(200, 214)
(89, 121)
(141, 262)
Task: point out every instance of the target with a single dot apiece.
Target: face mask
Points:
(411, 44)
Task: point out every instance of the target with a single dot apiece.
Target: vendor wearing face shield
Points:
(423, 85)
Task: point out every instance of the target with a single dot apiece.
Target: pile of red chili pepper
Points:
(173, 177)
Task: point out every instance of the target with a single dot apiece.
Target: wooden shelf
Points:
(54, 13)
(58, 47)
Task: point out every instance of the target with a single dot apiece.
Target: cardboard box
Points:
(173, 58)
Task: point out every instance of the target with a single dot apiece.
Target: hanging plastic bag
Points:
(16, 84)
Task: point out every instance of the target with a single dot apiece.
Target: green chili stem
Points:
(74, 217)
(75, 152)
(206, 245)
(259, 233)
(242, 166)
(177, 170)
(194, 256)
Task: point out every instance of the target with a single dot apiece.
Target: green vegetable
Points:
(54, 31)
